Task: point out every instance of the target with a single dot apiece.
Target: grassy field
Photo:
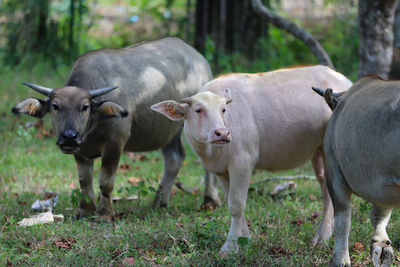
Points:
(30, 164)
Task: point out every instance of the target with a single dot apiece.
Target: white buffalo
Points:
(269, 121)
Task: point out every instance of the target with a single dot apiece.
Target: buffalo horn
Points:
(101, 91)
(40, 89)
(319, 91)
(187, 100)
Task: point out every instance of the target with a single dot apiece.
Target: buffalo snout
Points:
(221, 136)
(69, 141)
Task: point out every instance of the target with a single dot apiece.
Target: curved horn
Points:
(187, 100)
(101, 91)
(40, 89)
(319, 91)
(338, 94)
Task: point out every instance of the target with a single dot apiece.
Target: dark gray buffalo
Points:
(362, 156)
(92, 119)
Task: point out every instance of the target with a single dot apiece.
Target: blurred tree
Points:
(231, 25)
(293, 29)
(376, 19)
(41, 28)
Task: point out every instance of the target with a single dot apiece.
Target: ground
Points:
(30, 164)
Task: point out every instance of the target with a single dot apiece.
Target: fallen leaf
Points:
(72, 185)
(179, 224)
(38, 124)
(358, 246)
(125, 167)
(140, 157)
(65, 243)
(315, 215)
(298, 222)
(22, 203)
(131, 155)
(312, 197)
(134, 180)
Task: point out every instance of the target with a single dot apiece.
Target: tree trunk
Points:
(376, 19)
(295, 30)
(71, 30)
(231, 25)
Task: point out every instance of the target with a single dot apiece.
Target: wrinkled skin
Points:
(269, 121)
(362, 157)
(120, 119)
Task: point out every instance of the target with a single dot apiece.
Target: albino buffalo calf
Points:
(362, 155)
(269, 121)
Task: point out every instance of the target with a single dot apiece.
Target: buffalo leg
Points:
(381, 249)
(87, 207)
(211, 199)
(173, 154)
(326, 226)
(341, 199)
(109, 166)
(239, 178)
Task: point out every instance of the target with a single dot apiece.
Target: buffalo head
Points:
(73, 110)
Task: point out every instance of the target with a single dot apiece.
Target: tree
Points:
(376, 19)
(293, 29)
(231, 25)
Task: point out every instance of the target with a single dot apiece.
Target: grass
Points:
(30, 164)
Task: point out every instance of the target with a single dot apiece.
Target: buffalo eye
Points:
(56, 107)
(223, 111)
(85, 107)
(199, 110)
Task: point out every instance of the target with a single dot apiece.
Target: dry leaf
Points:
(134, 180)
(131, 155)
(358, 246)
(298, 222)
(315, 215)
(65, 243)
(125, 167)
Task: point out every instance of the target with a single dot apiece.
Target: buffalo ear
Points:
(33, 107)
(109, 109)
(171, 109)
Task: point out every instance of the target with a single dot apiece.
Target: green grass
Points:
(179, 235)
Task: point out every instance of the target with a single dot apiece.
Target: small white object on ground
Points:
(41, 218)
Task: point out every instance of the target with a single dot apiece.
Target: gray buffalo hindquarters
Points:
(362, 155)
(104, 109)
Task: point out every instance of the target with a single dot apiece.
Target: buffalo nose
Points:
(222, 132)
(69, 134)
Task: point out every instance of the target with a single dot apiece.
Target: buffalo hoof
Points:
(209, 204)
(228, 248)
(382, 253)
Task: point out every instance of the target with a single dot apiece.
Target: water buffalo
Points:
(274, 122)
(362, 157)
(92, 122)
